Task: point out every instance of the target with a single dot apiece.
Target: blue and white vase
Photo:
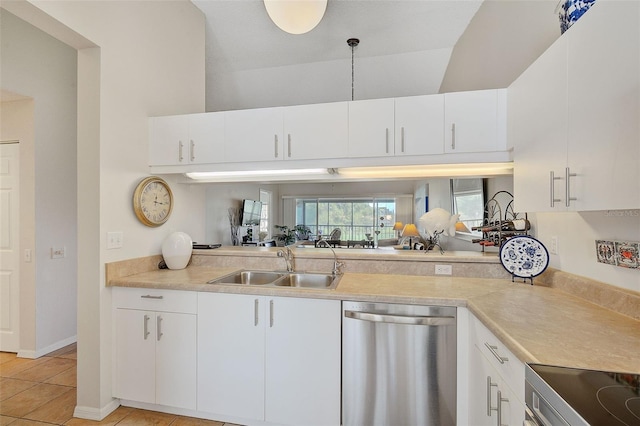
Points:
(571, 11)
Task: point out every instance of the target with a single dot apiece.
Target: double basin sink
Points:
(309, 280)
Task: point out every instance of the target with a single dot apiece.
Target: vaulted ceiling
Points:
(407, 47)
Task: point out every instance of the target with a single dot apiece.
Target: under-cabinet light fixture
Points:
(430, 170)
(252, 175)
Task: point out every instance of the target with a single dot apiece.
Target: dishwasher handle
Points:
(401, 319)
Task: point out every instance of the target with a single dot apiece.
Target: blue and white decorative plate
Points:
(524, 256)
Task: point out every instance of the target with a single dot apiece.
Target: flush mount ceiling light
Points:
(296, 16)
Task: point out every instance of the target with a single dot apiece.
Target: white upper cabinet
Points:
(316, 131)
(538, 131)
(371, 128)
(254, 135)
(574, 117)
(419, 124)
(186, 139)
(475, 121)
(604, 107)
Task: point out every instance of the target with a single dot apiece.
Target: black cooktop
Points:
(601, 398)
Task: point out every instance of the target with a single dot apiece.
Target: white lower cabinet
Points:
(155, 347)
(496, 380)
(269, 359)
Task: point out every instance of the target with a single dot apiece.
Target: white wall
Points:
(148, 60)
(577, 233)
(37, 65)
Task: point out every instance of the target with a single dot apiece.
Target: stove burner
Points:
(615, 400)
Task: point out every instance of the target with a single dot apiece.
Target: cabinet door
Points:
(419, 125)
(168, 140)
(604, 107)
(471, 121)
(206, 138)
(176, 360)
(538, 130)
(303, 362)
(483, 389)
(371, 128)
(231, 342)
(135, 355)
(253, 135)
(316, 131)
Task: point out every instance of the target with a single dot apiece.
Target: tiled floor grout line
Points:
(38, 369)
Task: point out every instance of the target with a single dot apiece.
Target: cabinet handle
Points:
(275, 145)
(289, 145)
(552, 190)
(158, 327)
(146, 327)
(192, 150)
(499, 408)
(494, 351)
(490, 384)
(453, 135)
(387, 139)
(271, 313)
(402, 139)
(148, 296)
(180, 156)
(256, 317)
(567, 175)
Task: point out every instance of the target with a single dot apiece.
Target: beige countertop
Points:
(538, 324)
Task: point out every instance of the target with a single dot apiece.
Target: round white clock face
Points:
(153, 201)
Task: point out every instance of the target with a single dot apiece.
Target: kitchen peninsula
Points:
(529, 324)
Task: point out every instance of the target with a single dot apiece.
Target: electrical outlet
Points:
(114, 240)
(58, 252)
(444, 269)
(554, 245)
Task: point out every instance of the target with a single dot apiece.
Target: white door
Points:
(419, 125)
(9, 247)
(371, 128)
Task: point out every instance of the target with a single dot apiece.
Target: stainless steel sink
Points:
(309, 280)
(249, 278)
(280, 279)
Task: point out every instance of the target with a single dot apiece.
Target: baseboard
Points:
(97, 414)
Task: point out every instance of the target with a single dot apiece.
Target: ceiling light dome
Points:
(296, 16)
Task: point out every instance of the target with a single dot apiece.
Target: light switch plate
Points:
(114, 240)
(58, 252)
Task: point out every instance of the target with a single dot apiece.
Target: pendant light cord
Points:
(352, 42)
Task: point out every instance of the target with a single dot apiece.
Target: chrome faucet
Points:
(336, 265)
(287, 254)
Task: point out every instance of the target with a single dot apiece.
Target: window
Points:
(467, 198)
(355, 217)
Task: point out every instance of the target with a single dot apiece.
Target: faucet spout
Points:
(336, 265)
(287, 254)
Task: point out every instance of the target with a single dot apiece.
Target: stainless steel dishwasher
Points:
(398, 365)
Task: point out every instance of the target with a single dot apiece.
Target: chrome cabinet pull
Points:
(402, 139)
(158, 327)
(567, 175)
(146, 327)
(256, 318)
(271, 313)
(490, 384)
(289, 145)
(387, 139)
(180, 156)
(192, 150)
(453, 135)
(494, 351)
(275, 145)
(499, 408)
(148, 296)
(552, 191)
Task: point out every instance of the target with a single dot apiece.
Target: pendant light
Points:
(352, 42)
(296, 16)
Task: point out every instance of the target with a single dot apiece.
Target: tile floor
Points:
(42, 392)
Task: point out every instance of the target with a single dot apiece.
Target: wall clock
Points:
(152, 201)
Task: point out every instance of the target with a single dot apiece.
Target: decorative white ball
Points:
(176, 250)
